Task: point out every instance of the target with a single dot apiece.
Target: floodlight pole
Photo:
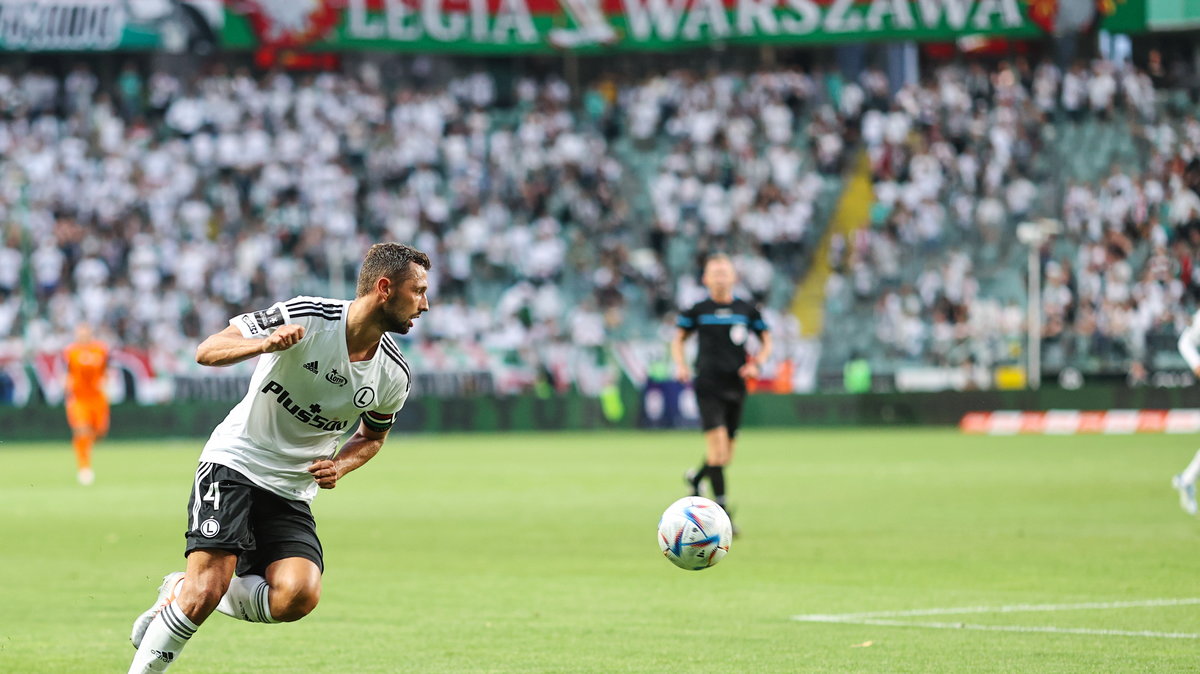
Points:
(1034, 322)
(1035, 235)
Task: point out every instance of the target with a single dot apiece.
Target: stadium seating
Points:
(158, 217)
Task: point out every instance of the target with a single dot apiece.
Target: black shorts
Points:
(720, 406)
(229, 512)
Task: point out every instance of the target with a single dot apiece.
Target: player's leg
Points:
(289, 591)
(102, 417)
(711, 421)
(1185, 482)
(83, 436)
(720, 444)
(205, 581)
(295, 588)
(280, 580)
(717, 458)
(733, 420)
(219, 532)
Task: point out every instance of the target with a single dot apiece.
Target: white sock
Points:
(1192, 472)
(164, 640)
(246, 599)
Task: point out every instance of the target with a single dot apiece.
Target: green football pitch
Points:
(537, 553)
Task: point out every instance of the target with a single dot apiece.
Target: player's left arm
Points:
(359, 449)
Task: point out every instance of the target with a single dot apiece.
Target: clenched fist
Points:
(284, 337)
(325, 473)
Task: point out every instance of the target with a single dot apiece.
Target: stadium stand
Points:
(167, 205)
(936, 278)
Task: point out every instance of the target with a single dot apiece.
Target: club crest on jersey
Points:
(364, 396)
(334, 378)
(738, 333)
(304, 414)
(210, 527)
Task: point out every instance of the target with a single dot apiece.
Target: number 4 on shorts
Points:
(213, 495)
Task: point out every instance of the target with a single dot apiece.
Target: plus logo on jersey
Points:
(307, 416)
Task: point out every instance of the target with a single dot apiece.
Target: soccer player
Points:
(723, 323)
(1185, 482)
(87, 404)
(325, 364)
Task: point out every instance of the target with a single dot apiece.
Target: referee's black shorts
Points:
(229, 512)
(720, 404)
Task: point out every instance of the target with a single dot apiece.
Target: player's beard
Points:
(396, 321)
(398, 324)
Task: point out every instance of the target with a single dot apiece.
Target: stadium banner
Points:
(548, 26)
(1075, 422)
(195, 419)
(1101, 408)
(1048, 410)
(441, 371)
(104, 25)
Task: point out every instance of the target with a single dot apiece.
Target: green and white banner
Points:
(105, 25)
(531, 26)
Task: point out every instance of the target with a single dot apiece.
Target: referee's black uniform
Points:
(722, 329)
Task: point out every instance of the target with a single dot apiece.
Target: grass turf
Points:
(522, 553)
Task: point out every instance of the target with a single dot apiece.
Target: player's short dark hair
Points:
(717, 257)
(393, 260)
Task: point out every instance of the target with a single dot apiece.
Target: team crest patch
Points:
(364, 396)
(334, 378)
(210, 527)
(738, 333)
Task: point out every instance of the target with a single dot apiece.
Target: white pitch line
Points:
(1021, 628)
(1014, 608)
(881, 618)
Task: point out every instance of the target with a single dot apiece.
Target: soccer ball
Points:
(694, 533)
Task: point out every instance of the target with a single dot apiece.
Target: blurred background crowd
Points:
(156, 206)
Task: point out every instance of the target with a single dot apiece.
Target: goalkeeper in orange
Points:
(87, 405)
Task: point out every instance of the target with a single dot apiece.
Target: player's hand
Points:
(1196, 372)
(683, 374)
(284, 337)
(325, 473)
(748, 371)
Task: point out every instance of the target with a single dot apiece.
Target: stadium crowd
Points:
(160, 208)
(159, 213)
(959, 160)
(157, 207)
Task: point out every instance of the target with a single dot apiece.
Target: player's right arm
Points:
(229, 346)
(682, 372)
(685, 324)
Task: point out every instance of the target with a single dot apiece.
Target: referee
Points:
(723, 323)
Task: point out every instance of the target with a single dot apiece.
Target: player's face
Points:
(719, 276)
(83, 332)
(406, 301)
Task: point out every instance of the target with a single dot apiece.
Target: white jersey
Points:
(303, 399)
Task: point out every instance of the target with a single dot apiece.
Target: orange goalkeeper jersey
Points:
(86, 365)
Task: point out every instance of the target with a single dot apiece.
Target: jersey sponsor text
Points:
(308, 416)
